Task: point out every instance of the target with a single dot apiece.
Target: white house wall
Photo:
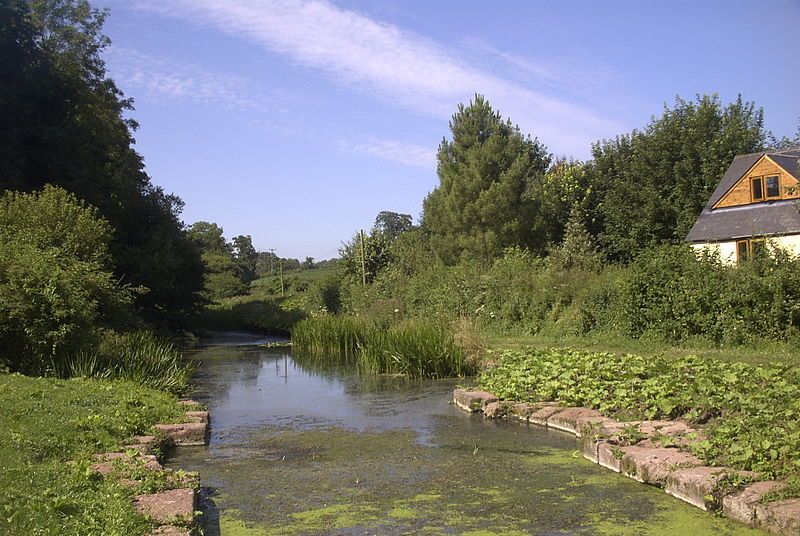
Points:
(727, 250)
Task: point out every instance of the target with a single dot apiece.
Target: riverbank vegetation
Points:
(413, 348)
(750, 413)
(51, 430)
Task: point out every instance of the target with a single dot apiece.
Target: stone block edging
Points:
(647, 451)
(173, 509)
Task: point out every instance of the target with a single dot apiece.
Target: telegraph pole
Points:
(363, 262)
(280, 263)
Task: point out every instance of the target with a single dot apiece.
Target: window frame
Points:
(766, 189)
(751, 244)
(760, 180)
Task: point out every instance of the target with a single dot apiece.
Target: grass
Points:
(48, 422)
(139, 357)
(752, 411)
(416, 349)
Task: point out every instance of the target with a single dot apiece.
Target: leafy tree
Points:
(62, 122)
(209, 237)
(229, 268)
(482, 204)
(392, 224)
(649, 186)
(56, 284)
(246, 256)
(374, 248)
(578, 251)
(308, 263)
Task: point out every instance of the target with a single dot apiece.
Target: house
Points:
(754, 207)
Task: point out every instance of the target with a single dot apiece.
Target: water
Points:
(307, 451)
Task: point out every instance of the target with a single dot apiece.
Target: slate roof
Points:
(759, 219)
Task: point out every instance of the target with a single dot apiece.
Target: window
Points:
(750, 249)
(757, 189)
(773, 186)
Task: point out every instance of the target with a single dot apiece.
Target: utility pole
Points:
(280, 263)
(363, 262)
(271, 258)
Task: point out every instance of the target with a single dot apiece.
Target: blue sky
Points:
(298, 121)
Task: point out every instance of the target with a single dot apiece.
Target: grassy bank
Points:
(416, 349)
(750, 413)
(47, 423)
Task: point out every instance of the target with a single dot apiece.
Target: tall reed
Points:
(339, 336)
(416, 349)
(140, 357)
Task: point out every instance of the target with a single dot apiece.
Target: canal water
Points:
(299, 450)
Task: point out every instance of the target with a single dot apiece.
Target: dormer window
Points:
(758, 189)
(773, 186)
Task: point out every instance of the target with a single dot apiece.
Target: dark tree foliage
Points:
(246, 256)
(392, 224)
(62, 122)
(226, 265)
(486, 172)
(648, 187)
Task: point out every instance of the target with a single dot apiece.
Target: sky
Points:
(297, 121)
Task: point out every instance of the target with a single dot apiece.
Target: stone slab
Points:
(695, 485)
(187, 433)
(523, 410)
(610, 456)
(497, 410)
(170, 530)
(189, 402)
(567, 419)
(143, 444)
(741, 505)
(541, 415)
(198, 416)
(106, 461)
(472, 400)
(653, 466)
(167, 507)
(780, 517)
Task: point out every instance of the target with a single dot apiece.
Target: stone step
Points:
(187, 433)
(470, 400)
(168, 507)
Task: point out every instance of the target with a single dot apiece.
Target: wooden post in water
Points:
(363, 262)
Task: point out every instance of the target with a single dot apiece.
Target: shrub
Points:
(56, 284)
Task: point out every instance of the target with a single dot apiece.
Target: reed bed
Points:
(139, 357)
(415, 349)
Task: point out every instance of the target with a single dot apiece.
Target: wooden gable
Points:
(742, 193)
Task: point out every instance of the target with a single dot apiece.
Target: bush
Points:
(56, 284)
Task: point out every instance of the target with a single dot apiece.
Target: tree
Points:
(391, 224)
(578, 250)
(228, 268)
(208, 237)
(56, 283)
(649, 186)
(246, 256)
(308, 263)
(486, 171)
(62, 121)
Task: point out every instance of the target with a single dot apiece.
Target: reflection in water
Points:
(305, 450)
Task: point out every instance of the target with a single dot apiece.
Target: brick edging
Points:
(173, 509)
(649, 452)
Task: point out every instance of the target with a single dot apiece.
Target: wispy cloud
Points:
(393, 64)
(160, 79)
